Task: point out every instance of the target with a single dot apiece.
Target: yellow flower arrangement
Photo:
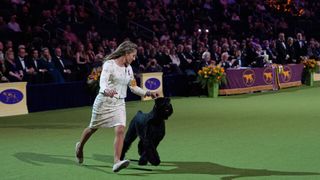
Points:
(310, 65)
(93, 79)
(211, 74)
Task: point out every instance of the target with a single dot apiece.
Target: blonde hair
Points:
(124, 48)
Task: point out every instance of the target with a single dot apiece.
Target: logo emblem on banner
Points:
(286, 74)
(248, 77)
(268, 75)
(11, 96)
(152, 83)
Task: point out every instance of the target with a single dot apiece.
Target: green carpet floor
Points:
(271, 135)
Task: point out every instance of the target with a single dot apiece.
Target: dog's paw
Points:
(142, 162)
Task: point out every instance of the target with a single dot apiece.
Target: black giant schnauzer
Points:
(150, 127)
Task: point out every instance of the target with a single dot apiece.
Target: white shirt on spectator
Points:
(22, 63)
(175, 59)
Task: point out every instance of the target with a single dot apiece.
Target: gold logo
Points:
(286, 74)
(248, 77)
(267, 75)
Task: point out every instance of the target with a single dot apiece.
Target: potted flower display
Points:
(93, 79)
(310, 67)
(211, 77)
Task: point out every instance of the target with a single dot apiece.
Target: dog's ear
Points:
(159, 101)
(167, 100)
(163, 107)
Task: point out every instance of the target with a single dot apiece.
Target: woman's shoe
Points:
(120, 165)
(79, 154)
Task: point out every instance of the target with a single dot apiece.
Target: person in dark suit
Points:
(49, 65)
(63, 65)
(38, 66)
(21, 62)
(301, 49)
(141, 61)
(291, 51)
(239, 60)
(250, 54)
(281, 49)
(164, 60)
(33, 66)
(188, 61)
(215, 55)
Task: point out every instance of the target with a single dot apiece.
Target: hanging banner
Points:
(289, 75)
(248, 80)
(152, 82)
(13, 99)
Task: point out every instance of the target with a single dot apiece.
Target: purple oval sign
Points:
(11, 96)
(152, 83)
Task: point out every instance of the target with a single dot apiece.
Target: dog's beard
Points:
(162, 109)
(164, 113)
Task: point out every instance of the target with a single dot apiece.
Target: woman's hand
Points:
(110, 92)
(152, 94)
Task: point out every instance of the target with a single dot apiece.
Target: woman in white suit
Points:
(109, 106)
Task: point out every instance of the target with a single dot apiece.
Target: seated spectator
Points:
(63, 65)
(98, 60)
(3, 25)
(225, 63)
(40, 75)
(13, 25)
(206, 60)
(249, 54)
(238, 61)
(301, 48)
(175, 61)
(215, 52)
(2, 66)
(314, 50)
(49, 65)
(261, 57)
(141, 60)
(164, 60)
(93, 35)
(188, 61)
(153, 66)
(21, 61)
(269, 50)
(82, 61)
(291, 51)
(13, 72)
(281, 49)
(69, 35)
(90, 52)
(9, 45)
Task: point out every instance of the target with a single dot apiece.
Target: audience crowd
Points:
(43, 41)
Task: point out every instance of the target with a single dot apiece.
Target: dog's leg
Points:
(158, 134)
(141, 149)
(153, 155)
(143, 159)
(149, 152)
